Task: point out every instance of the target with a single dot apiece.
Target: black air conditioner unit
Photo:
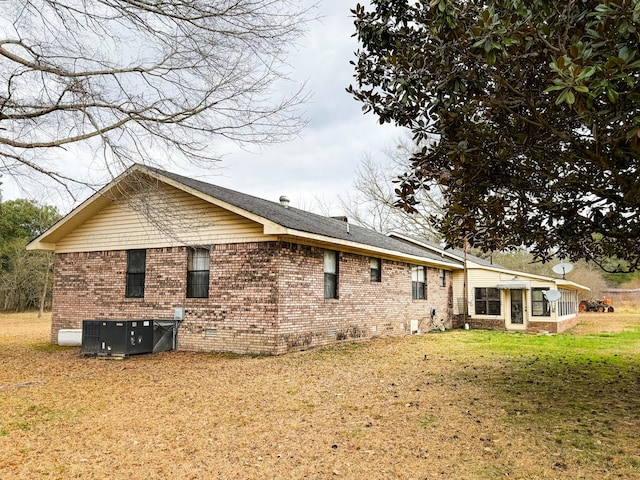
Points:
(121, 338)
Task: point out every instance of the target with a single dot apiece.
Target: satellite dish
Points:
(552, 295)
(562, 268)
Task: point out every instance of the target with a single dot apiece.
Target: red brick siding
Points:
(363, 308)
(241, 312)
(264, 298)
(486, 323)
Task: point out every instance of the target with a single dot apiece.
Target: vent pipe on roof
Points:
(284, 201)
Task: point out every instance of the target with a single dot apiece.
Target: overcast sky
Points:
(321, 163)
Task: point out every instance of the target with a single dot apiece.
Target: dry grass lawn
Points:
(455, 405)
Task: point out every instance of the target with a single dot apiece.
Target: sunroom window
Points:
(487, 301)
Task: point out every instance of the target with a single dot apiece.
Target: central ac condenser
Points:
(122, 338)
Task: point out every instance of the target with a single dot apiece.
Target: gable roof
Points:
(276, 219)
(302, 221)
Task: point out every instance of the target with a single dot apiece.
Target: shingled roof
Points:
(451, 253)
(303, 221)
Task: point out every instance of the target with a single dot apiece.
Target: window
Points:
(198, 273)
(487, 301)
(330, 274)
(539, 303)
(376, 270)
(568, 303)
(136, 268)
(443, 277)
(418, 283)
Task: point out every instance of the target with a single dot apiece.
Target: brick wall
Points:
(264, 298)
(533, 326)
(92, 286)
(241, 313)
(363, 308)
(552, 327)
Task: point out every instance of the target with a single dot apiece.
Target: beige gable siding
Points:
(458, 292)
(486, 278)
(163, 218)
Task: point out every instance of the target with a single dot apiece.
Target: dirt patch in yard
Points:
(453, 405)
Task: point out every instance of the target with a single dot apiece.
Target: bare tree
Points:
(141, 80)
(373, 201)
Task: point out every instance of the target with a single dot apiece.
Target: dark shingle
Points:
(303, 221)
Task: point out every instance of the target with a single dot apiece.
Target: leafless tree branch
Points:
(132, 79)
(373, 201)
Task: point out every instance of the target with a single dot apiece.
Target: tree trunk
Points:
(44, 288)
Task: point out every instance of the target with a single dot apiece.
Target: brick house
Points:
(260, 277)
(250, 275)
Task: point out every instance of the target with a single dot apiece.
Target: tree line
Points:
(26, 277)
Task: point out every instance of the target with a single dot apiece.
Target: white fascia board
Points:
(370, 249)
(557, 281)
(38, 246)
(569, 283)
(493, 268)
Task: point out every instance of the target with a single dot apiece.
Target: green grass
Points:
(583, 392)
(504, 342)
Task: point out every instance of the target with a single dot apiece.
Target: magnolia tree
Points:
(534, 106)
(126, 81)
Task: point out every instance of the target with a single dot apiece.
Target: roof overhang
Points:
(355, 247)
(571, 285)
(115, 190)
(46, 242)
